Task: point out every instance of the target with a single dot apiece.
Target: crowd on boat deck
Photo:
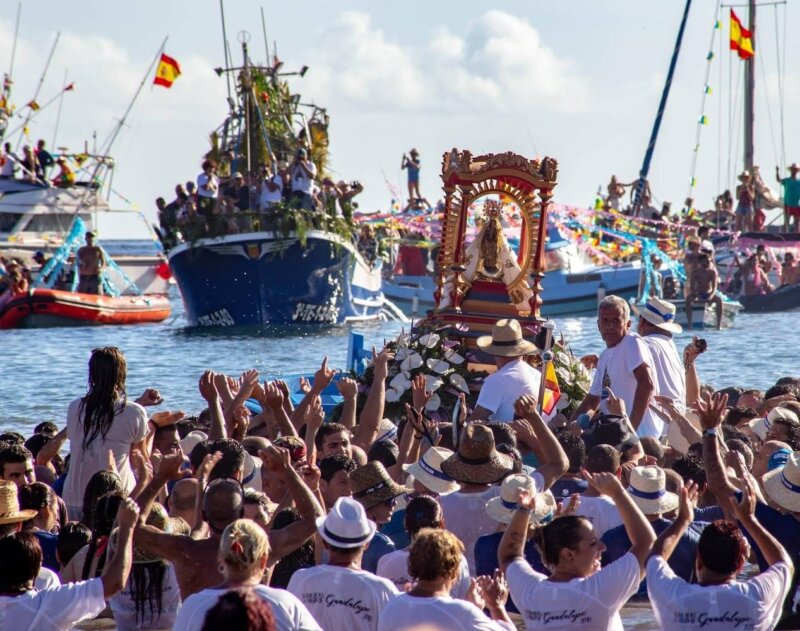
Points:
(35, 165)
(223, 200)
(260, 513)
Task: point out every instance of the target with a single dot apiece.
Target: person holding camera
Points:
(347, 191)
(411, 162)
(303, 172)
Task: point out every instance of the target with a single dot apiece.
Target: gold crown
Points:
(492, 209)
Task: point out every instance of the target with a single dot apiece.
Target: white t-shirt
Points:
(341, 599)
(583, 603)
(53, 609)
(47, 578)
(619, 362)
(212, 184)
(128, 427)
(268, 197)
(124, 607)
(9, 166)
(301, 181)
(667, 367)
(290, 614)
(501, 389)
(406, 613)
(601, 511)
(394, 566)
(754, 604)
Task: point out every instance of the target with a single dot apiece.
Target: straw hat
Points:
(346, 525)
(762, 425)
(428, 471)
(745, 175)
(9, 505)
(477, 460)
(502, 508)
(794, 166)
(372, 485)
(693, 238)
(648, 489)
(506, 340)
(660, 313)
(783, 484)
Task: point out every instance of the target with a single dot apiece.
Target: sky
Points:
(576, 80)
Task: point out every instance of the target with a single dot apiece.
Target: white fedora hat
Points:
(502, 508)
(428, 471)
(191, 439)
(346, 526)
(762, 425)
(659, 313)
(386, 430)
(783, 484)
(506, 340)
(648, 489)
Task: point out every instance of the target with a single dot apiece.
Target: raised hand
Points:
(165, 419)
(525, 406)
(711, 409)
(310, 474)
(141, 466)
(494, 590)
(207, 466)
(745, 508)
(526, 499)
(568, 507)
(420, 395)
(347, 387)
(169, 468)
(590, 361)
(223, 387)
(380, 361)
(323, 377)
(615, 404)
(273, 396)
(690, 352)
(315, 414)
(241, 421)
(305, 387)
(524, 431)
(127, 514)
(150, 396)
(247, 382)
(207, 387)
(277, 459)
(604, 483)
(474, 594)
(688, 500)
(284, 388)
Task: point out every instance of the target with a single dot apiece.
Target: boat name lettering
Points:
(305, 312)
(220, 317)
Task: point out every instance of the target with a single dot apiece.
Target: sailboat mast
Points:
(750, 93)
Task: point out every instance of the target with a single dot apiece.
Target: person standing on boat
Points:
(412, 164)
(9, 163)
(303, 173)
(791, 195)
(91, 262)
(704, 283)
(207, 191)
(745, 196)
(44, 158)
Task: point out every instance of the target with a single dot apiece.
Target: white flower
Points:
(400, 382)
(459, 382)
(563, 374)
(411, 362)
(434, 403)
(401, 354)
(437, 365)
(429, 340)
(402, 340)
(393, 394)
(453, 357)
(432, 383)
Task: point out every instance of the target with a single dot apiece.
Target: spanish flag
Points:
(741, 38)
(552, 393)
(168, 70)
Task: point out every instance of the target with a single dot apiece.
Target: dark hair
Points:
(422, 511)
(737, 414)
(35, 443)
(199, 451)
(71, 538)
(106, 390)
(232, 458)
(12, 438)
(101, 483)
(330, 466)
(722, 547)
(602, 459)
(729, 432)
(564, 532)
(12, 453)
(510, 450)
(653, 448)
(575, 449)
(147, 588)
(47, 428)
(690, 468)
(251, 497)
(326, 430)
(733, 394)
(301, 558)
(502, 432)
(785, 388)
(793, 432)
(105, 514)
(384, 451)
(240, 609)
(22, 560)
(788, 380)
(695, 449)
(735, 444)
(35, 496)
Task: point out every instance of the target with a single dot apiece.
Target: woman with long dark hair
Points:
(102, 426)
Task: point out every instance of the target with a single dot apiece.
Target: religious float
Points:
(287, 265)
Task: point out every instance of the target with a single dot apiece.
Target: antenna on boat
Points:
(750, 92)
(264, 30)
(14, 47)
(226, 52)
(31, 110)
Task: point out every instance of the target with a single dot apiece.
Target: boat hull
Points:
(785, 298)
(40, 308)
(265, 278)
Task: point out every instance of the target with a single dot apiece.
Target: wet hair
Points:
(71, 538)
(422, 511)
(331, 465)
(240, 609)
(792, 431)
(105, 514)
(35, 443)
(435, 553)
(503, 434)
(695, 449)
(602, 459)
(729, 432)
(47, 428)
(564, 532)
(253, 497)
(737, 414)
(575, 449)
(242, 544)
(101, 483)
(12, 454)
(218, 511)
(722, 547)
(232, 459)
(788, 380)
(12, 438)
(736, 444)
(690, 468)
(199, 451)
(105, 392)
(22, 560)
(652, 447)
(326, 430)
(384, 451)
(35, 496)
(779, 390)
(302, 557)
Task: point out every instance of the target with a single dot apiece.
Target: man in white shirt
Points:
(656, 328)
(624, 367)
(514, 377)
(339, 594)
(303, 172)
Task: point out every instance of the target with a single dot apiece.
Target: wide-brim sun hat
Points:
(371, 485)
(506, 340)
(192, 439)
(346, 525)
(9, 505)
(648, 490)
(386, 430)
(502, 508)
(783, 484)
(251, 472)
(762, 425)
(428, 471)
(477, 460)
(660, 313)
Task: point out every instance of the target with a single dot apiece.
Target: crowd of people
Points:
(225, 201)
(260, 514)
(35, 166)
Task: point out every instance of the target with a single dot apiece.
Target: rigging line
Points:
(780, 50)
(730, 120)
(14, 47)
(769, 109)
(720, 105)
(739, 128)
(31, 111)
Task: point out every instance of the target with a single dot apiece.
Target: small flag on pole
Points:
(708, 89)
(168, 70)
(710, 55)
(70, 87)
(33, 105)
(703, 120)
(741, 38)
(552, 392)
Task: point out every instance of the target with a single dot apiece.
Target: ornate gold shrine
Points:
(480, 283)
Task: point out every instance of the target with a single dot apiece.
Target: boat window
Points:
(8, 221)
(49, 223)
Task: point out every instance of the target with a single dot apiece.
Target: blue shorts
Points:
(743, 210)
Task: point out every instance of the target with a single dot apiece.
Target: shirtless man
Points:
(704, 283)
(91, 262)
(790, 272)
(691, 260)
(195, 558)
